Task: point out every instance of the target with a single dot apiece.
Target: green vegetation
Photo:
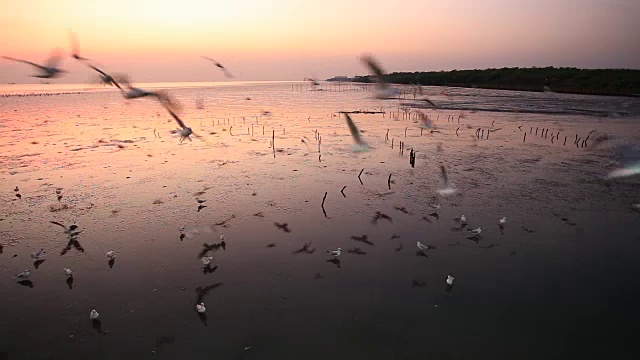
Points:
(625, 82)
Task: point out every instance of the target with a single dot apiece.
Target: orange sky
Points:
(290, 39)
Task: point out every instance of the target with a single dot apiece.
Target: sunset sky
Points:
(291, 39)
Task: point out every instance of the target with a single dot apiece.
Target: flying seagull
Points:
(385, 91)
(48, 71)
(355, 133)
(134, 93)
(224, 69)
(447, 186)
(185, 131)
(71, 230)
(106, 78)
(625, 152)
(75, 48)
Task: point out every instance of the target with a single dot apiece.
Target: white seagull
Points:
(201, 308)
(111, 255)
(23, 275)
(450, 280)
(475, 231)
(503, 220)
(68, 272)
(48, 71)
(334, 253)
(185, 131)
(206, 260)
(421, 246)
(93, 315)
(463, 219)
(37, 255)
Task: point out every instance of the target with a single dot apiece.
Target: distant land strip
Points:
(615, 82)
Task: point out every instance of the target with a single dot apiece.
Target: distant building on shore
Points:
(340, 78)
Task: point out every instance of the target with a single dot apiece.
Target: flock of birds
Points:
(51, 70)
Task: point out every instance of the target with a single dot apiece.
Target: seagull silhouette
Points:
(220, 66)
(75, 48)
(48, 71)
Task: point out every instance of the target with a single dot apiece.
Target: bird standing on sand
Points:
(450, 280)
(206, 260)
(475, 231)
(201, 308)
(37, 255)
(23, 275)
(93, 315)
(421, 246)
(111, 255)
(48, 71)
(502, 221)
(68, 272)
(334, 253)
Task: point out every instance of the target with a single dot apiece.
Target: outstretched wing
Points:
(106, 76)
(57, 223)
(443, 175)
(176, 118)
(354, 130)
(24, 61)
(373, 66)
(54, 59)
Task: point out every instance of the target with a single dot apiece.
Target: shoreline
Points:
(604, 82)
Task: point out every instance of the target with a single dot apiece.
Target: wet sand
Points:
(559, 280)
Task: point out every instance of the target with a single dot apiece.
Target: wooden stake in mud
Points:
(389, 181)
(565, 141)
(273, 143)
(322, 205)
(524, 139)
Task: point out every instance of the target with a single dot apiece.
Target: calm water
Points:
(558, 282)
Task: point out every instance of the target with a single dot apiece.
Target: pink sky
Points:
(290, 39)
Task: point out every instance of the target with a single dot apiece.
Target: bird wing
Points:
(176, 118)
(354, 129)
(25, 61)
(54, 59)
(443, 174)
(227, 73)
(75, 48)
(57, 223)
(430, 102)
(371, 63)
(210, 59)
(105, 75)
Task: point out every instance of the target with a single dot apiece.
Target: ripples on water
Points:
(562, 270)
